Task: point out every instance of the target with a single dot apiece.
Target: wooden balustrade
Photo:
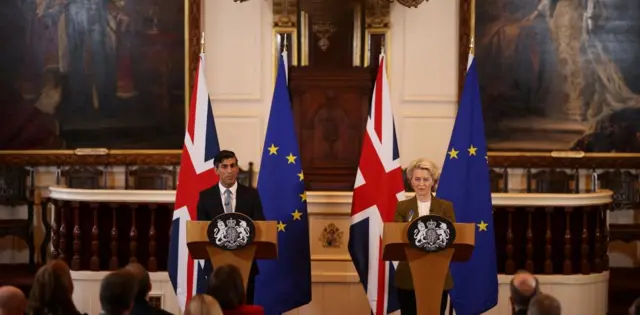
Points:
(552, 233)
(543, 233)
(106, 229)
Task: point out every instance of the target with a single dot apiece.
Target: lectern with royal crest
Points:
(232, 238)
(428, 243)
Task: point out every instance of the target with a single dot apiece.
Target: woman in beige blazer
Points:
(423, 176)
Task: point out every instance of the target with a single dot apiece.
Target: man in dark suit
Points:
(230, 196)
(141, 305)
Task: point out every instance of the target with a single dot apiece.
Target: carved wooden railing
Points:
(544, 233)
(101, 229)
(552, 233)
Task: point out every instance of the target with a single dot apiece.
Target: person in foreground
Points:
(227, 287)
(203, 304)
(12, 301)
(141, 305)
(230, 196)
(117, 292)
(544, 304)
(523, 286)
(52, 291)
(423, 176)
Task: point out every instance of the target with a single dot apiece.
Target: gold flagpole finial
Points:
(202, 43)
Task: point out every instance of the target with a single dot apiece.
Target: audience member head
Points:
(141, 276)
(61, 268)
(203, 304)
(544, 304)
(52, 290)
(523, 286)
(117, 292)
(635, 307)
(226, 286)
(12, 301)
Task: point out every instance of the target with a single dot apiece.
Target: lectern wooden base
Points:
(428, 269)
(429, 273)
(241, 258)
(264, 246)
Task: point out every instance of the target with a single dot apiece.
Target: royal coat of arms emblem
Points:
(231, 231)
(431, 233)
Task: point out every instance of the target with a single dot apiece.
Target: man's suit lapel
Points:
(240, 200)
(217, 201)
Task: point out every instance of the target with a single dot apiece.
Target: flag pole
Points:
(202, 43)
(285, 43)
(285, 58)
(472, 26)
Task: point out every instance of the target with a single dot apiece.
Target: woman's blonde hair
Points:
(423, 164)
(203, 304)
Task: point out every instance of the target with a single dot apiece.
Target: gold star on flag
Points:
(472, 150)
(273, 149)
(280, 226)
(291, 158)
(296, 215)
(303, 196)
(301, 176)
(482, 226)
(453, 154)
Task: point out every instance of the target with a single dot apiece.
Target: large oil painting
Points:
(560, 74)
(93, 74)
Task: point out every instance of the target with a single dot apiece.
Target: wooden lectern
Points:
(428, 270)
(264, 246)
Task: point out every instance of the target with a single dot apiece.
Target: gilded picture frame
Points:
(99, 155)
(571, 157)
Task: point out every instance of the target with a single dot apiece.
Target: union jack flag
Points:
(377, 189)
(196, 174)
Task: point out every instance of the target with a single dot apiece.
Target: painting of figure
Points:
(92, 74)
(559, 74)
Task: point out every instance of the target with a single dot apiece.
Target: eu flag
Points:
(465, 182)
(284, 284)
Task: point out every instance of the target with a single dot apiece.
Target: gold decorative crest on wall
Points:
(331, 236)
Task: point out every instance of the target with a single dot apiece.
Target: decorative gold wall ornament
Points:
(407, 3)
(323, 30)
(331, 236)
(285, 13)
(377, 13)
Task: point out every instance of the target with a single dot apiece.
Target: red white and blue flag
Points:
(378, 187)
(196, 174)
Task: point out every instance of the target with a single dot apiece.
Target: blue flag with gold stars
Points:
(465, 182)
(284, 284)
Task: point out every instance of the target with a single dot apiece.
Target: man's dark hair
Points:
(117, 292)
(223, 155)
(227, 286)
(519, 297)
(142, 278)
(544, 304)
